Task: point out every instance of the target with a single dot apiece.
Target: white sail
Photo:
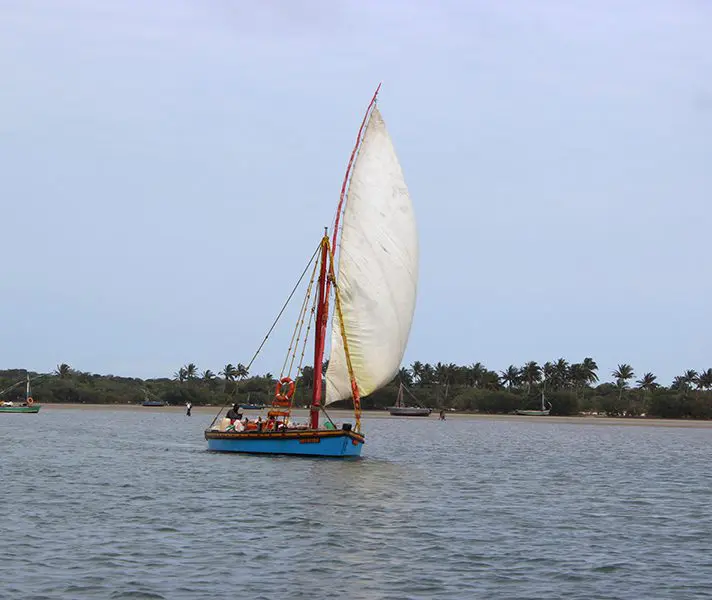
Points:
(378, 269)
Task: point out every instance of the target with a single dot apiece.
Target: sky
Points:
(167, 168)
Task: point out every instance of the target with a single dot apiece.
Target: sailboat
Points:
(28, 406)
(373, 294)
(401, 410)
(542, 412)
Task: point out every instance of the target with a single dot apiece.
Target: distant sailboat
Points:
(374, 291)
(28, 406)
(401, 410)
(542, 412)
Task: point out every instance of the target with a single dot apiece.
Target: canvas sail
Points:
(377, 271)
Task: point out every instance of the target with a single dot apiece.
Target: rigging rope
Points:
(349, 366)
(284, 307)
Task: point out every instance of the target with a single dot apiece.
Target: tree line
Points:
(570, 388)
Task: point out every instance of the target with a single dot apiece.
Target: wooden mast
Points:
(322, 313)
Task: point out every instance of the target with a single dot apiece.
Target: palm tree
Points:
(417, 370)
(207, 375)
(63, 371)
(475, 374)
(180, 375)
(241, 371)
(578, 377)
(405, 377)
(590, 367)
(646, 385)
(490, 380)
(191, 371)
(647, 382)
(531, 374)
(622, 374)
(690, 376)
(229, 372)
(510, 377)
(561, 374)
(427, 375)
(548, 373)
(704, 379)
(679, 384)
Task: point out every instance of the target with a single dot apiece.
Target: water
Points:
(128, 504)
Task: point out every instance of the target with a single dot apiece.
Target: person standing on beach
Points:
(188, 407)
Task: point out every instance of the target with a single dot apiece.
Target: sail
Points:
(377, 272)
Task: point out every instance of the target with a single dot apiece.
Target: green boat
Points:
(35, 408)
(28, 406)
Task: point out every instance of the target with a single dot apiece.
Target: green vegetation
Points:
(570, 388)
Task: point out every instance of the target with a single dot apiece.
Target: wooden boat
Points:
(401, 410)
(542, 412)
(28, 406)
(374, 291)
(19, 408)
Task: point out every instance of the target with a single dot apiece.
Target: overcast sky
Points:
(166, 169)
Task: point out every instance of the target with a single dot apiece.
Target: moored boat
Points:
(401, 410)
(28, 406)
(374, 291)
(541, 412)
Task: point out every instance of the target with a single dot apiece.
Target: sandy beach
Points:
(209, 411)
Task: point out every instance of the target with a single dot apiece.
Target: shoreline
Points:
(384, 414)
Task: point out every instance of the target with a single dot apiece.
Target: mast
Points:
(27, 389)
(322, 313)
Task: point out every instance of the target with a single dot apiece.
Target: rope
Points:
(349, 366)
(296, 334)
(264, 341)
(14, 385)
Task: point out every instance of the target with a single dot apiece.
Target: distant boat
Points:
(28, 406)
(148, 401)
(401, 410)
(542, 412)
(153, 403)
(251, 405)
(374, 291)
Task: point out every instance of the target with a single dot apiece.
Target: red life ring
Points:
(30, 401)
(278, 390)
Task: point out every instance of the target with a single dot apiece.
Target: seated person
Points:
(234, 413)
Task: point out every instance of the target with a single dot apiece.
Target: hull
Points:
(532, 413)
(409, 411)
(20, 409)
(327, 443)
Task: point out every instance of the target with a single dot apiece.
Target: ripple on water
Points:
(124, 504)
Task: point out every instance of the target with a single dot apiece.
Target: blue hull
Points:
(327, 444)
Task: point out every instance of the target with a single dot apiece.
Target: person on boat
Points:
(271, 423)
(238, 425)
(234, 413)
(260, 424)
(188, 408)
